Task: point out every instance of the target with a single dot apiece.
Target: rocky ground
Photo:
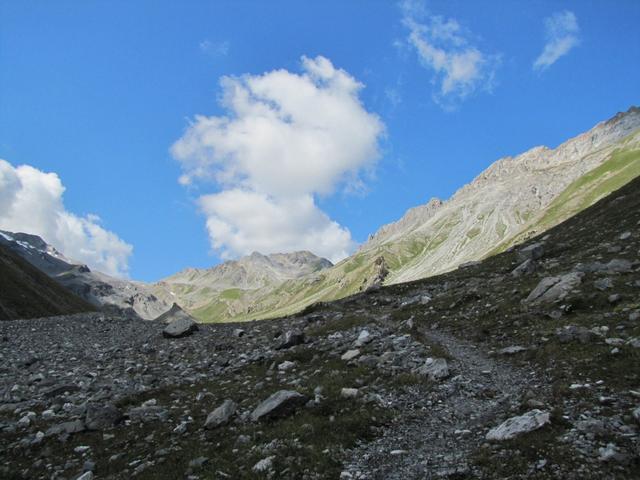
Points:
(526, 365)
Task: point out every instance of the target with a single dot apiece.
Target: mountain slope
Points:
(357, 395)
(506, 203)
(229, 289)
(94, 287)
(26, 292)
(500, 202)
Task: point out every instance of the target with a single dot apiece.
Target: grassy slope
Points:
(622, 166)
(26, 292)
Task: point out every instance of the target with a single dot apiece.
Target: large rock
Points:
(434, 369)
(221, 415)
(552, 289)
(617, 265)
(291, 339)
(573, 333)
(525, 268)
(516, 426)
(179, 323)
(280, 404)
(102, 416)
(531, 252)
(74, 426)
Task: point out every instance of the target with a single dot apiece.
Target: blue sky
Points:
(99, 92)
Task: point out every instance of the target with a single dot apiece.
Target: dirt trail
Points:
(441, 426)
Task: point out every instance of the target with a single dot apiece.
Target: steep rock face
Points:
(94, 287)
(414, 218)
(500, 202)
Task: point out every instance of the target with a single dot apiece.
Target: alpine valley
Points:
(494, 335)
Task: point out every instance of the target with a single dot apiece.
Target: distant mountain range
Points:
(513, 199)
(27, 292)
(95, 288)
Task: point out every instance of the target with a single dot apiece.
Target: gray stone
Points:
(363, 338)
(552, 289)
(531, 252)
(286, 366)
(519, 425)
(434, 369)
(349, 392)
(198, 463)
(102, 416)
(614, 298)
(264, 465)
(350, 355)
(74, 426)
(571, 333)
(525, 268)
(512, 350)
(221, 415)
(280, 404)
(179, 323)
(603, 283)
(291, 339)
(636, 414)
(147, 413)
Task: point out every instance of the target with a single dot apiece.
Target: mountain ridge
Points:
(94, 287)
(484, 216)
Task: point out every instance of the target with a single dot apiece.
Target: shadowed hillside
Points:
(26, 292)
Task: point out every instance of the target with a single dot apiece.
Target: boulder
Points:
(363, 338)
(525, 268)
(180, 328)
(264, 465)
(572, 333)
(102, 416)
(531, 252)
(552, 289)
(434, 369)
(291, 339)
(221, 415)
(278, 405)
(179, 323)
(636, 414)
(350, 355)
(349, 392)
(74, 426)
(286, 366)
(147, 413)
(512, 350)
(519, 425)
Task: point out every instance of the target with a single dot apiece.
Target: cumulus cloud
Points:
(31, 201)
(444, 47)
(562, 35)
(285, 139)
(242, 221)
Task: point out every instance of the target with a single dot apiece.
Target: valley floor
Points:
(99, 396)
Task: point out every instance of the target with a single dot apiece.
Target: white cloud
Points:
(562, 34)
(444, 46)
(286, 137)
(215, 49)
(31, 201)
(242, 221)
